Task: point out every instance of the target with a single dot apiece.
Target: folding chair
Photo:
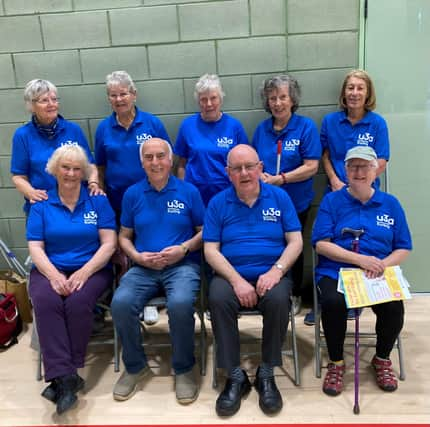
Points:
(293, 352)
(367, 339)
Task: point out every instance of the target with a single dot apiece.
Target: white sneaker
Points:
(150, 315)
(297, 305)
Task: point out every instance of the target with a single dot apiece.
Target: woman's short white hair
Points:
(34, 89)
(71, 152)
(120, 78)
(208, 82)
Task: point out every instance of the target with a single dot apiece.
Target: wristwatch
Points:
(279, 267)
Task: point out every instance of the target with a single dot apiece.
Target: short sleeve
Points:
(181, 147)
(324, 223)
(99, 147)
(212, 228)
(35, 229)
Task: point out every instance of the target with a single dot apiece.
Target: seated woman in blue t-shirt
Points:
(385, 241)
(71, 237)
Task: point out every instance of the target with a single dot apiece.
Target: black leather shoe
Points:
(50, 392)
(270, 399)
(228, 402)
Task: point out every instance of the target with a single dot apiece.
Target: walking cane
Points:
(355, 246)
(278, 157)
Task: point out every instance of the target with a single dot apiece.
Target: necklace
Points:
(128, 120)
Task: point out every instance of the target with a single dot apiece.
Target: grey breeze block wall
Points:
(166, 45)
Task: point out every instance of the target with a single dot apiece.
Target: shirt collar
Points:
(54, 198)
(231, 196)
(376, 199)
(138, 119)
(170, 186)
(344, 118)
(292, 124)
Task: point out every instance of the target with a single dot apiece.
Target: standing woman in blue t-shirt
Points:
(354, 125)
(34, 143)
(118, 138)
(289, 146)
(205, 138)
(71, 237)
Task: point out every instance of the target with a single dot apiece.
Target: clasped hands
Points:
(159, 260)
(373, 267)
(67, 285)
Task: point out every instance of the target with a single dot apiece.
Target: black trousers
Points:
(389, 320)
(224, 307)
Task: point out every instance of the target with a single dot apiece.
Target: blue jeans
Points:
(180, 283)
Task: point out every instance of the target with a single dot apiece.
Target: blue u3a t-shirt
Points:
(251, 238)
(71, 238)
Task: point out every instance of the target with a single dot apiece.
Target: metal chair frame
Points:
(293, 352)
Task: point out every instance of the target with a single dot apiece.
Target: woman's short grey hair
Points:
(35, 88)
(71, 152)
(120, 78)
(273, 83)
(208, 82)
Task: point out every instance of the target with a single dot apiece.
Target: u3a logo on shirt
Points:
(271, 214)
(384, 221)
(224, 142)
(364, 138)
(140, 139)
(69, 142)
(90, 218)
(291, 144)
(175, 207)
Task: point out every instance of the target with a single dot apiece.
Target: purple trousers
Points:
(64, 323)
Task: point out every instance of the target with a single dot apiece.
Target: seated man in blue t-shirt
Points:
(251, 239)
(161, 223)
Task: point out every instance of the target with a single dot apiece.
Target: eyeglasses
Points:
(46, 101)
(249, 167)
(356, 168)
(121, 95)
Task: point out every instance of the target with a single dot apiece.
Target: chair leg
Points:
(214, 364)
(317, 349)
(402, 375)
(295, 352)
(39, 366)
(203, 336)
(115, 350)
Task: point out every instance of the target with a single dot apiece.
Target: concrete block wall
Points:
(166, 45)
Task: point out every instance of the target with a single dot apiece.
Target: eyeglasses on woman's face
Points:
(121, 95)
(45, 100)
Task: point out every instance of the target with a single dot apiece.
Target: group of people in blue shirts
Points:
(257, 196)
